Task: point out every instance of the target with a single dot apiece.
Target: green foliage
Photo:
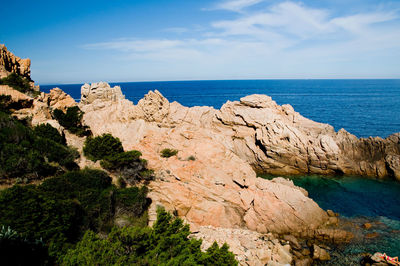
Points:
(5, 102)
(37, 215)
(166, 243)
(12, 245)
(26, 154)
(62, 208)
(102, 146)
(166, 153)
(131, 201)
(48, 132)
(72, 120)
(109, 150)
(191, 158)
(17, 82)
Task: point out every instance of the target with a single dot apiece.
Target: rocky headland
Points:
(212, 183)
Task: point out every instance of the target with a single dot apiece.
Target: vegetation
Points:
(166, 153)
(62, 208)
(18, 83)
(48, 132)
(12, 245)
(72, 120)
(102, 146)
(166, 243)
(109, 150)
(191, 158)
(5, 102)
(29, 154)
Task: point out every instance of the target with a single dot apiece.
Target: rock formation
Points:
(9, 63)
(100, 90)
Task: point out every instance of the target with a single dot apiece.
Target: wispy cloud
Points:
(288, 35)
(236, 5)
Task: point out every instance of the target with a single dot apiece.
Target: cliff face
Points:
(9, 63)
(220, 188)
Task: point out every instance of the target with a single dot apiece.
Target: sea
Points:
(364, 107)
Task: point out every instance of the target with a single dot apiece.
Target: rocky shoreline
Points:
(211, 183)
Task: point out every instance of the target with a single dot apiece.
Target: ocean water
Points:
(359, 200)
(362, 107)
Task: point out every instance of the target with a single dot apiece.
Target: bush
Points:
(72, 120)
(109, 150)
(49, 132)
(191, 158)
(102, 146)
(27, 153)
(166, 243)
(62, 208)
(166, 153)
(12, 245)
(18, 83)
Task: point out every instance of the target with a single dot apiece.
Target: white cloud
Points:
(282, 38)
(237, 5)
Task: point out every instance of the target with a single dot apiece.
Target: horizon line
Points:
(194, 80)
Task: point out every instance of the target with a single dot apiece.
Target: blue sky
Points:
(87, 41)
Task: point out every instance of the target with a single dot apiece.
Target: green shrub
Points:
(121, 160)
(27, 153)
(166, 243)
(166, 153)
(37, 215)
(62, 208)
(18, 83)
(12, 245)
(5, 102)
(72, 120)
(49, 132)
(99, 147)
(191, 158)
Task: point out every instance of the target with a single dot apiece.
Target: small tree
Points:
(166, 153)
(49, 132)
(102, 146)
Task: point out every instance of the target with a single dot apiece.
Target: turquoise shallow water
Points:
(359, 200)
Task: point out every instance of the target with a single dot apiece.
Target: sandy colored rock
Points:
(249, 247)
(320, 254)
(100, 91)
(9, 63)
(19, 99)
(367, 226)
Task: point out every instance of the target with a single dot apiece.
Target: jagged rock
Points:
(18, 99)
(9, 63)
(58, 99)
(320, 253)
(249, 247)
(101, 91)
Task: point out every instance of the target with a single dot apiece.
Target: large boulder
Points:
(100, 91)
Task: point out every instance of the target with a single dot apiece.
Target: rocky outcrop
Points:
(101, 91)
(276, 139)
(18, 99)
(249, 247)
(9, 63)
(42, 106)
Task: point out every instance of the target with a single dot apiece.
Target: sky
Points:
(116, 41)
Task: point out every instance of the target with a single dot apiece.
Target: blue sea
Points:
(362, 107)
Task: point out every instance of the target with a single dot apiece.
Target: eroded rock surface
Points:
(100, 90)
(9, 63)
(249, 247)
